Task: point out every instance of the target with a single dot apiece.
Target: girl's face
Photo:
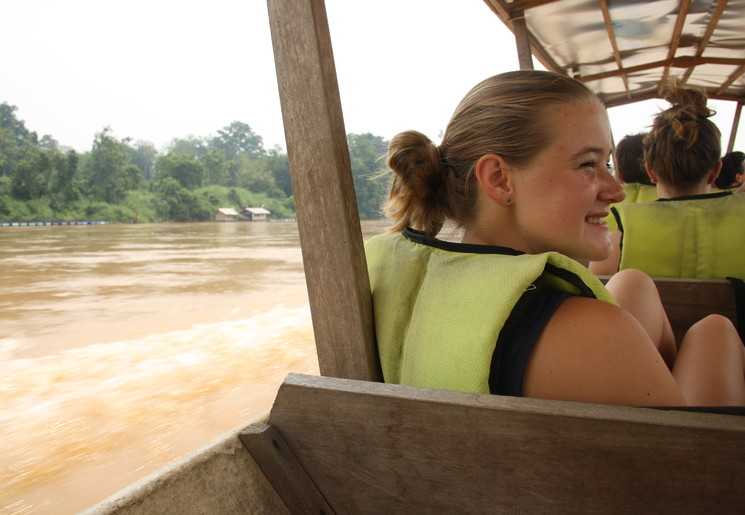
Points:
(563, 195)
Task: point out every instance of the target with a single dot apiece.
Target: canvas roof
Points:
(257, 211)
(624, 50)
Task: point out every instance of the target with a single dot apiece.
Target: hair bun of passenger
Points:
(416, 161)
(689, 102)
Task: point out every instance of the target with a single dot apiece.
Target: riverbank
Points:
(7, 223)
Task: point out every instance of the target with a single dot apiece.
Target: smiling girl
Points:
(509, 309)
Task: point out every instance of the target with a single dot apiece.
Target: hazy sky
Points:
(160, 69)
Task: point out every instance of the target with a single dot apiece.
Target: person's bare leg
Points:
(710, 368)
(636, 292)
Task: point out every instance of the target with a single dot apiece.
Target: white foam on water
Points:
(78, 425)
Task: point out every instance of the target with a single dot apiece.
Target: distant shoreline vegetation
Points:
(119, 180)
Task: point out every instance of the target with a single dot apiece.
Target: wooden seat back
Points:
(687, 301)
(347, 446)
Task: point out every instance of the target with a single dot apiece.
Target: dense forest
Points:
(125, 181)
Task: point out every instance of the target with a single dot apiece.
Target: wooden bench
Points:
(344, 446)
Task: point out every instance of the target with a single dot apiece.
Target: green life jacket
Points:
(733, 189)
(701, 236)
(439, 306)
(635, 192)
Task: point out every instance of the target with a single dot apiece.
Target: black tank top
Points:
(519, 335)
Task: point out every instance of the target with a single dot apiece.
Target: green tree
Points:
(183, 168)
(17, 143)
(17, 128)
(64, 184)
(366, 152)
(278, 164)
(109, 176)
(143, 154)
(48, 143)
(254, 177)
(239, 139)
(215, 167)
(31, 175)
(179, 204)
(192, 145)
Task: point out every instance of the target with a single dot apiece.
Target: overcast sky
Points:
(156, 70)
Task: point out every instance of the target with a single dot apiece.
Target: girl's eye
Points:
(594, 164)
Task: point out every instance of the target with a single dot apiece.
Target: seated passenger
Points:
(632, 173)
(507, 309)
(732, 175)
(689, 232)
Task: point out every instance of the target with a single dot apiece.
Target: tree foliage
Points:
(143, 155)
(185, 169)
(16, 142)
(366, 152)
(239, 139)
(187, 181)
(111, 173)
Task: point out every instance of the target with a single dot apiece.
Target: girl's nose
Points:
(612, 190)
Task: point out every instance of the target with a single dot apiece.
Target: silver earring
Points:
(509, 200)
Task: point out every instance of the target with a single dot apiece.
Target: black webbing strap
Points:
(738, 287)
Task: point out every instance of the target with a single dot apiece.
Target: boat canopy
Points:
(625, 50)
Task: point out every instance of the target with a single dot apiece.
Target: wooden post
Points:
(329, 226)
(735, 124)
(522, 41)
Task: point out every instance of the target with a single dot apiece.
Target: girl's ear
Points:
(650, 173)
(495, 179)
(714, 173)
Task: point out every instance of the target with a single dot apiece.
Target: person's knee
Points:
(713, 335)
(715, 324)
(632, 280)
(633, 275)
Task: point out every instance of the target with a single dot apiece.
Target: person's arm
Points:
(610, 265)
(593, 351)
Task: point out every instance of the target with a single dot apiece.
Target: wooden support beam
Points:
(507, 11)
(674, 42)
(713, 22)
(735, 125)
(522, 41)
(281, 467)
(329, 226)
(614, 44)
(732, 78)
(683, 61)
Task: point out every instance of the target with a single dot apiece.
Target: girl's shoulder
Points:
(593, 351)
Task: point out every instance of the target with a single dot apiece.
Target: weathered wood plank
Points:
(687, 301)
(522, 41)
(329, 226)
(378, 448)
(218, 478)
(282, 469)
